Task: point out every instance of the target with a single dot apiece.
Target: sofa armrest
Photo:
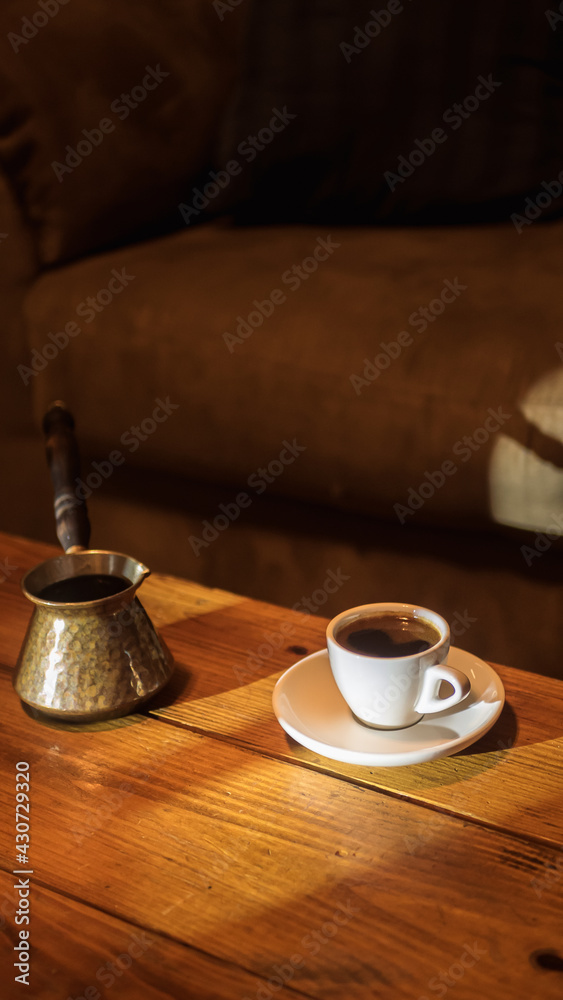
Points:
(17, 271)
(108, 115)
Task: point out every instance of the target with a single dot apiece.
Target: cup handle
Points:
(428, 700)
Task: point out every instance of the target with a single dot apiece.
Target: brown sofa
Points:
(318, 414)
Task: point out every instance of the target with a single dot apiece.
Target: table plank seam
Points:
(225, 962)
(356, 781)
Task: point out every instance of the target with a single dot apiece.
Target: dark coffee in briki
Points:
(86, 587)
(388, 634)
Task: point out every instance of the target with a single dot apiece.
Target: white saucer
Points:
(310, 708)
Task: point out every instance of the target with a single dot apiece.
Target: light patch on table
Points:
(168, 599)
(229, 711)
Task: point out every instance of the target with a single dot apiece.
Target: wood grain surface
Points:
(243, 858)
(229, 652)
(78, 948)
(258, 868)
(490, 781)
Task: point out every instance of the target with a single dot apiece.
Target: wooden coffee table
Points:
(195, 851)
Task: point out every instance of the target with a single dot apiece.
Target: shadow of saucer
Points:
(484, 755)
(502, 736)
(455, 768)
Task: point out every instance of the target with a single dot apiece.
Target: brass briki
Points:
(91, 651)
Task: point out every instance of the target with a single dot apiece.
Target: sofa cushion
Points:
(18, 270)
(395, 357)
(402, 112)
(106, 112)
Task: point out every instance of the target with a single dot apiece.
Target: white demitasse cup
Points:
(393, 692)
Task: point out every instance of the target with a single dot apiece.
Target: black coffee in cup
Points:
(388, 634)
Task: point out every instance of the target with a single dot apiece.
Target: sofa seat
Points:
(390, 343)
